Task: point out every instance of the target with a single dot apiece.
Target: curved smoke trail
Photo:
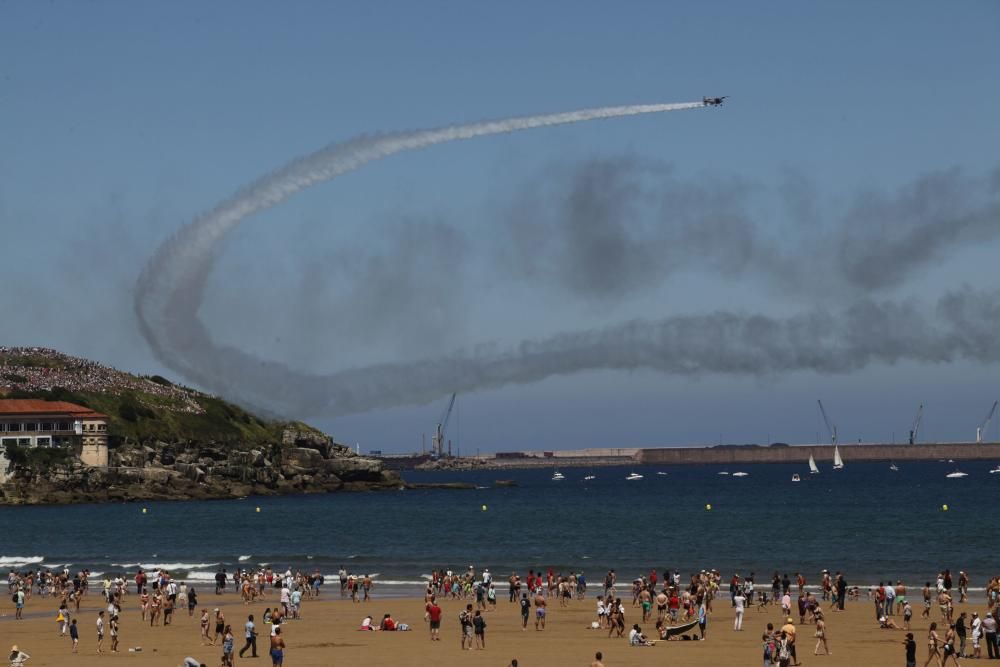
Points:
(170, 291)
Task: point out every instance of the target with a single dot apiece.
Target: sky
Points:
(855, 162)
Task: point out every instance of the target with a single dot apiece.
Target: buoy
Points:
(944, 508)
(708, 507)
(143, 510)
(258, 509)
(484, 508)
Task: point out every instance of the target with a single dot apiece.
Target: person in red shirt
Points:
(652, 580)
(434, 617)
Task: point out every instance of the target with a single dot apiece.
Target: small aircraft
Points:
(713, 101)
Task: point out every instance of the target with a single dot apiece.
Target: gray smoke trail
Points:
(171, 288)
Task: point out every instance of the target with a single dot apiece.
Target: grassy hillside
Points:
(142, 409)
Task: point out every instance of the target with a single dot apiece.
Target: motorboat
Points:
(632, 477)
(957, 474)
(722, 472)
(741, 474)
(894, 467)
(813, 468)
(796, 478)
(663, 474)
(558, 476)
(589, 478)
(838, 463)
(995, 470)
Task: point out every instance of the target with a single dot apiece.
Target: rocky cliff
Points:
(167, 441)
(301, 462)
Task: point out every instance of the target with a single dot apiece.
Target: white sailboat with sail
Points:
(813, 468)
(838, 463)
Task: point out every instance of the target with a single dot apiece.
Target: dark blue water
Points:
(866, 521)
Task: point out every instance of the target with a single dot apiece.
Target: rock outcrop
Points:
(303, 461)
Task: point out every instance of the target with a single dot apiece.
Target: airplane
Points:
(713, 101)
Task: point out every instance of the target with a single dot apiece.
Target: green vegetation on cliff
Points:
(141, 409)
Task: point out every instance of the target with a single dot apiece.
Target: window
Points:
(31, 426)
(14, 428)
(3, 426)
(47, 426)
(102, 427)
(64, 426)
(8, 441)
(24, 442)
(43, 441)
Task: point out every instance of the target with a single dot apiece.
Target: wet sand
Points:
(327, 635)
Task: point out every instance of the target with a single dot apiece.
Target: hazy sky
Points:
(857, 161)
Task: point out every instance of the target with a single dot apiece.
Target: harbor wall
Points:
(967, 451)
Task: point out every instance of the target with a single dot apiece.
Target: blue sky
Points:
(122, 121)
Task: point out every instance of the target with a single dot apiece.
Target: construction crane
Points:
(437, 442)
(981, 429)
(916, 424)
(829, 427)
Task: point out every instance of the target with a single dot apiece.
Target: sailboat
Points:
(558, 476)
(633, 477)
(838, 463)
(957, 474)
(813, 468)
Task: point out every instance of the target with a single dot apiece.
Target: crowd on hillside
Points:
(43, 369)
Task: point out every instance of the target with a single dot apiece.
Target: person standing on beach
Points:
(113, 626)
(74, 634)
(911, 650)
(100, 632)
(19, 603)
(821, 638)
(525, 611)
(479, 627)
(465, 622)
(841, 591)
(539, 610)
(960, 634)
(788, 631)
(932, 645)
(739, 601)
(990, 636)
(434, 616)
(926, 592)
(277, 648)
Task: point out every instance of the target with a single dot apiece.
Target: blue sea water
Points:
(865, 521)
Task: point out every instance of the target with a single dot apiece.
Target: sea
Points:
(865, 521)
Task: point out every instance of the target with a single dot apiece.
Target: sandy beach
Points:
(327, 635)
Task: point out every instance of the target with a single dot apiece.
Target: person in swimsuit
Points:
(932, 645)
(277, 648)
(821, 639)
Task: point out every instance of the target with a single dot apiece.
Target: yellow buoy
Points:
(258, 509)
(708, 507)
(484, 508)
(944, 508)
(143, 510)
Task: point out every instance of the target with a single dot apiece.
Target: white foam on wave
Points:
(245, 558)
(169, 567)
(20, 561)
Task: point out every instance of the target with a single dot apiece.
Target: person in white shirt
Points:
(740, 601)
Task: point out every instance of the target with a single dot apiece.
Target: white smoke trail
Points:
(171, 287)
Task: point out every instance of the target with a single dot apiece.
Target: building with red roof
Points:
(31, 422)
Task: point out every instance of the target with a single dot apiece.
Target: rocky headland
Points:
(169, 442)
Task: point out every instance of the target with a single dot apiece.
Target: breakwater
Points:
(959, 451)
